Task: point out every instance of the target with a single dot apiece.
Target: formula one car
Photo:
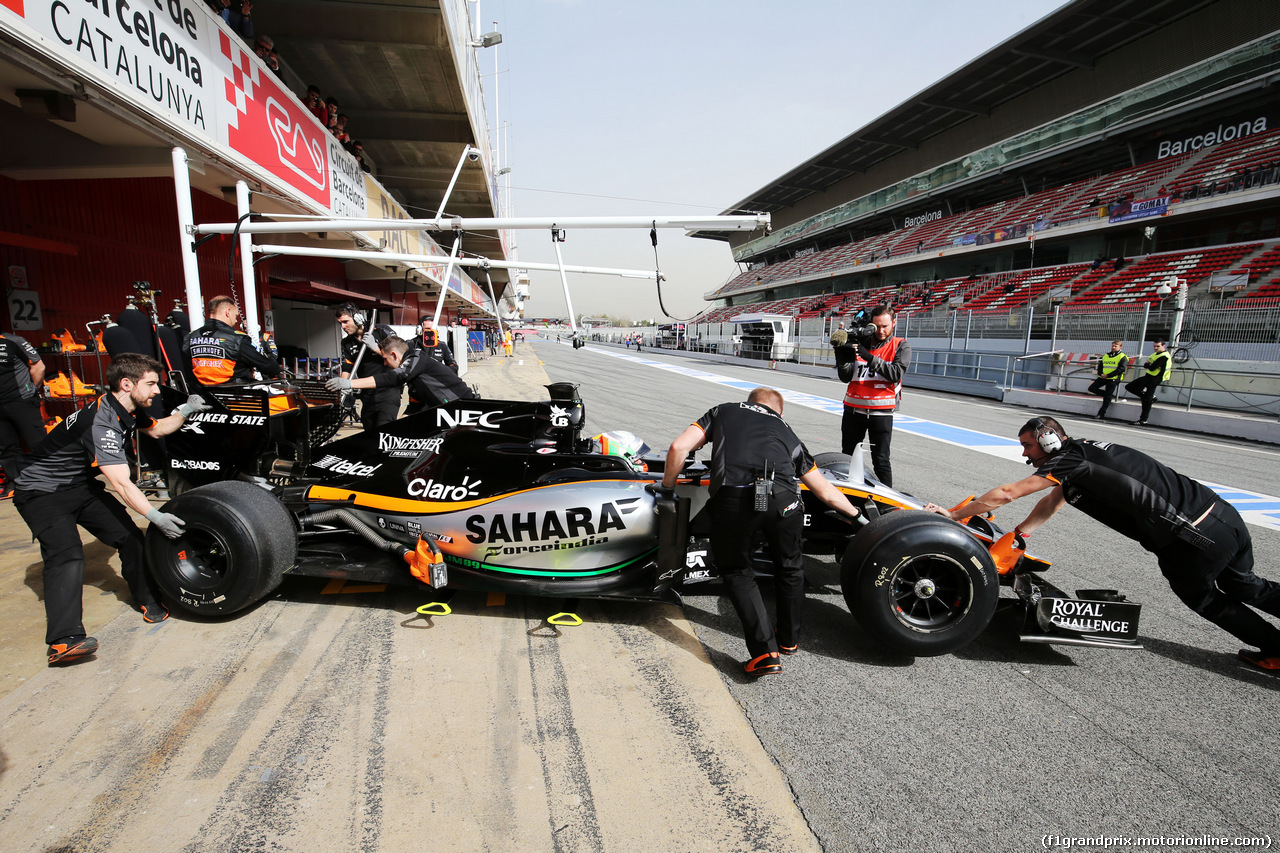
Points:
(508, 496)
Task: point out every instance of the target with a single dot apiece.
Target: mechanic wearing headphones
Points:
(58, 489)
(430, 382)
(219, 354)
(873, 365)
(429, 341)
(378, 406)
(21, 376)
(1201, 543)
(1158, 367)
(757, 465)
(1111, 368)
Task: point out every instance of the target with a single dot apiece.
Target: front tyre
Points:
(918, 583)
(236, 545)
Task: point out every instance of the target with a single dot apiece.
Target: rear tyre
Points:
(236, 546)
(918, 583)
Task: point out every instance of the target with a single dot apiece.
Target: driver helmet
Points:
(620, 443)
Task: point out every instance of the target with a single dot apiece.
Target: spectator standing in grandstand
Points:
(315, 104)
(237, 14)
(1158, 367)
(1111, 368)
(873, 363)
(1201, 543)
(21, 377)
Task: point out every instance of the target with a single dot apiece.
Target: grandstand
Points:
(1086, 161)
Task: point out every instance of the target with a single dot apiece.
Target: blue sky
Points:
(665, 107)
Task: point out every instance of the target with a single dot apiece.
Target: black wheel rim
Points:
(201, 560)
(931, 592)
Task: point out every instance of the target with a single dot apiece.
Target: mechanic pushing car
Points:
(757, 465)
(361, 355)
(1201, 543)
(430, 382)
(219, 354)
(873, 362)
(58, 490)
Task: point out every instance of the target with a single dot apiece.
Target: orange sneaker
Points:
(1262, 660)
(71, 649)
(765, 664)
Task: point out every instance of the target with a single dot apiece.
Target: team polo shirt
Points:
(16, 358)
(747, 438)
(99, 434)
(1126, 490)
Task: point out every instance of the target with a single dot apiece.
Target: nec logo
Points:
(466, 417)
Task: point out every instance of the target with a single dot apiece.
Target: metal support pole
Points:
(968, 327)
(1031, 315)
(246, 268)
(564, 281)
(448, 273)
(496, 313)
(186, 232)
(467, 151)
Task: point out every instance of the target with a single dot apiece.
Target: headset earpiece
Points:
(357, 315)
(1049, 441)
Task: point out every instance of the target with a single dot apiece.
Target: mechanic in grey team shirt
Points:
(750, 442)
(1201, 543)
(21, 374)
(59, 489)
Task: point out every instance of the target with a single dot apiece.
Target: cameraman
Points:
(873, 363)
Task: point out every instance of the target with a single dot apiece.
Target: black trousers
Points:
(1219, 583)
(379, 406)
(854, 427)
(1144, 388)
(19, 425)
(52, 517)
(1106, 389)
(734, 527)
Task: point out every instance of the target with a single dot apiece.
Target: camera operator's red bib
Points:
(868, 391)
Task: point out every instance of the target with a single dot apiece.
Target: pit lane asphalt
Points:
(1001, 744)
(332, 717)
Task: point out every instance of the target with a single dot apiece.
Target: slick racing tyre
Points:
(235, 548)
(918, 583)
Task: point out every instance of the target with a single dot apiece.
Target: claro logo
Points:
(431, 490)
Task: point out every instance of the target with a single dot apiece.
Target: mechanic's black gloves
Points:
(659, 490)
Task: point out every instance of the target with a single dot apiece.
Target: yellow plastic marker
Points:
(427, 609)
(566, 619)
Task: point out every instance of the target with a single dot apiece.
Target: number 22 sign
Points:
(24, 310)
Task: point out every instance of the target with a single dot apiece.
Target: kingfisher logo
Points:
(394, 445)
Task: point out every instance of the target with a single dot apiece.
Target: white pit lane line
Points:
(1256, 508)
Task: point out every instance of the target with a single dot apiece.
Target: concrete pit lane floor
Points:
(332, 715)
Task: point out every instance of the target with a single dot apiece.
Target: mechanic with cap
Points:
(757, 466)
(378, 406)
(219, 354)
(1201, 543)
(21, 376)
(873, 362)
(59, 489)
(430, 382)
(1111, 368)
